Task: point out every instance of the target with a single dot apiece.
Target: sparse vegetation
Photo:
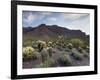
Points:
(65, 60)
(77, 56)
(55, 51)
(48, 63)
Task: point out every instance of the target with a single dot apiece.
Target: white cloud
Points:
(52, 19)
(31, 17)
(72, 16)
(46, 13)
(81, 24)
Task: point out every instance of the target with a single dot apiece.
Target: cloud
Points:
(52, 19)
(72, 16)
(68, 20)
(82, 24)
(31, 17)
(46, 13)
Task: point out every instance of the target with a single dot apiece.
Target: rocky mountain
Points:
(48, 31)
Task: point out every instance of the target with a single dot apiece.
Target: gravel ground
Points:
(55, 56)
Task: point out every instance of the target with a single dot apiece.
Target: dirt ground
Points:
(55, 56)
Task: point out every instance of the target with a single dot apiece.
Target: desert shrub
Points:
(28, 52)
(50, 44)
(53, 44)
(50, 51)
(77, 56)
(41, 45)
(67, 50)
(48, 63)
(34, 44)
(36, 55)
(77, 42)
(80, 49)
(60, 48)
(27, 43)
(44, 54)
(60, 40)
(65, 60)
(69, 45)
(87, 49)
(85, 54)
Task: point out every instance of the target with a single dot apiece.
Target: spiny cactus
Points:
(50, 51)
(60, 40)
(28, 52)
(50, 44)
(44, 54)
(41, 45)
(69, 45)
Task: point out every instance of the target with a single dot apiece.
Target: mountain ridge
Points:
(44, 30)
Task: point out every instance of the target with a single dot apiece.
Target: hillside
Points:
(52, 31)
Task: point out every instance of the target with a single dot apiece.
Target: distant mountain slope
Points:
(47, 31)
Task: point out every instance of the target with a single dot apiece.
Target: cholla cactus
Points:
(77, 42)
(28, 52)
(49, 44)
(50, 51)
(60, 41)
(69, 45)
(44, 54)
(41, 45)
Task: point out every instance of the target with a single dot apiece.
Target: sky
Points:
(75, 21)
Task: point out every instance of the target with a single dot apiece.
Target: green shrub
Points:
(36, 55)
(27, 43)
(80, 49)
(77, 42)
(48, 63)
(65, 60)
(88, 49)
(77, 56)
(44, 54)
(50, 51)
(34, 44)
(85, 54)
(60, 40)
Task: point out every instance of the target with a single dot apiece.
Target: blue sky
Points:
(69, 20)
